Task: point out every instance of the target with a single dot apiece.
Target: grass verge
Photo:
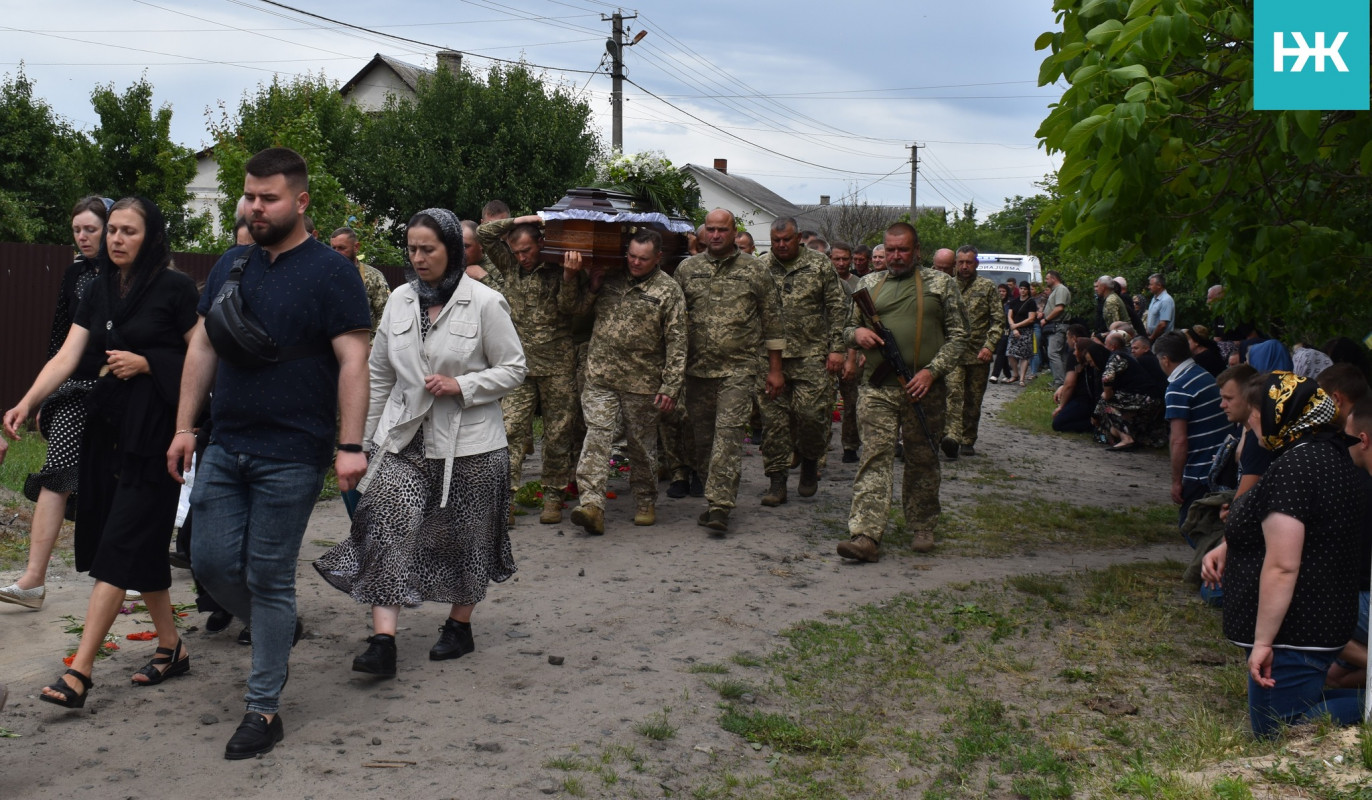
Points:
(1108, 684)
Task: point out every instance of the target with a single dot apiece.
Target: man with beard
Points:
(813, 310)
(274, 425)
(967, 383)
(923, 310)
(733, 313)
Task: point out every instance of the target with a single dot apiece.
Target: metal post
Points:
(615, 47)
(914, 179)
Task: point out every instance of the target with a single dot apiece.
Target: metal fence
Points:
(30, 277)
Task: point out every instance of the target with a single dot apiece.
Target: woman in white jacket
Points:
(431, 522)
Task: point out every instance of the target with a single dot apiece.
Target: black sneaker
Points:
(678, 489)
(218, 621)
(254, 737)
(379, 658)
(950, 447)
(850, 456)
(245, 635)
(454, 641)
(697, 488)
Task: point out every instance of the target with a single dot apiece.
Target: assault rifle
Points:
(895, 362)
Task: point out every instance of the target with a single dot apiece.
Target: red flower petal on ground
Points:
(69, 659)
(141, 636)
(610, 495)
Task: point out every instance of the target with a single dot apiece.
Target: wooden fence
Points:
(30, 277)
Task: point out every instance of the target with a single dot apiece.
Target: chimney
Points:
(824, 199)
(451, 60)
(722, 164)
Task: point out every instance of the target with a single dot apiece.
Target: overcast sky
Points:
(845, 86)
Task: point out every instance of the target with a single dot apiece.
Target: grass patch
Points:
(746, 659)
(1004, 690)
(24, 456)
(997, 527)
(730, 689)
(657, 727)
(702, 668)
(1032, 409)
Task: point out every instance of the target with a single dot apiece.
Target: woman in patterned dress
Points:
(431, 522)
(63, 417)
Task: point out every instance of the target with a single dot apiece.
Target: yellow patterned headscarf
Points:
(1293, 408)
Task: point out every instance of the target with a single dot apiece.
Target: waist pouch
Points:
(238, 337)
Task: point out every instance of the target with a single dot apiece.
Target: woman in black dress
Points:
(129, 337)
(1019, 346)
(63, 416)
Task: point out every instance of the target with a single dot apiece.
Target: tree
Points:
(40, 176)
(1163, 151)
(463, 141)
(131, 153)
(854, 222)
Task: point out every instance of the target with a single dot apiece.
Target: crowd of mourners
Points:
(216, 412)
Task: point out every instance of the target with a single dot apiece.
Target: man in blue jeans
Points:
(273, 425)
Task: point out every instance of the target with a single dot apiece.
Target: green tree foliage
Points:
(1162, 150)
(131, 153)
(463, 141)
(308, 115)
(40, 175)
(939, 230)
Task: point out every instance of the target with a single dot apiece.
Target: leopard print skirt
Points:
(404, 549)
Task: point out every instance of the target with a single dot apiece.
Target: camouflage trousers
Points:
(605, 410)
(848, 390)
(718, 411)
(798, 418)
(578, 434)
(881, 412)
(966, 390)
(557, 396)
(677, 446)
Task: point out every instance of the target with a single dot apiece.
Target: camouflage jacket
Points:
(1114, 310)
(733, 312)
(985, 317)
(539, 306)
(378, 292)
(494, 278)
(945, 339)
(813, 303)
(638, 344)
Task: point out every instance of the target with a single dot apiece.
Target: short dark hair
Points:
(844, 246)
(781, 224)
(345, 231)
(309, 224)
(649, 236)
(1345, 379)
(863, 249)
(805, 233)
(903, 227)
(1255, 389)
(526, 229)
(967, 248)
(1054, 274)
(745, 233)
(280, 161)
(495, 207)
(1078, 330)
(1361, 414)
(93, 203)
(1243, 373)
(1172, 346)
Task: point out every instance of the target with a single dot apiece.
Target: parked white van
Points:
(999, 266)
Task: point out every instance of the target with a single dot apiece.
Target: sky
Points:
(808, 98)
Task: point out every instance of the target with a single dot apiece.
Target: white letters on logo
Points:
(1302, 52)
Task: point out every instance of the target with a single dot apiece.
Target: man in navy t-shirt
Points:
(1197, 425)
(273, 426)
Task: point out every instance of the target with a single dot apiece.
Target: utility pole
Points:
(914, 178)
(615, 47)
(1028, 228)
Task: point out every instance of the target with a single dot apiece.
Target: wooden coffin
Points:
(605, 241)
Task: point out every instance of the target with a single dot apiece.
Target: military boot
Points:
(552, 508)
(777, 494)
(591, 518)
(646, 513)
(860, 548)
(809, 478)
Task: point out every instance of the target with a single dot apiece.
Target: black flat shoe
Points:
(379, 658)
(255, 736)
(218, 621)
(454, 641)
(245, 635)
(171, 665)
(69, 698)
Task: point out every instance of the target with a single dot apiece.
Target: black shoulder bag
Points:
(238, 337)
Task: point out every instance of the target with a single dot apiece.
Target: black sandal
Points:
(173, 666)
(69, 698)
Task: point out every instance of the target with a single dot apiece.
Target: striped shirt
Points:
(1192, 395)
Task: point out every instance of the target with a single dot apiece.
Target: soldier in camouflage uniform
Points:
(932, 341)
(841, 254)
(813, 312)
(634, 371)
(540, 305)
(344, 242)
(733, 311)
(967, 383)
(480, 268)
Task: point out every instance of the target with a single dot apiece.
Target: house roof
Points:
(760, 196)
(408, 73)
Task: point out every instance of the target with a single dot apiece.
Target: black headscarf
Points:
(449, 230)
(153, 257)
